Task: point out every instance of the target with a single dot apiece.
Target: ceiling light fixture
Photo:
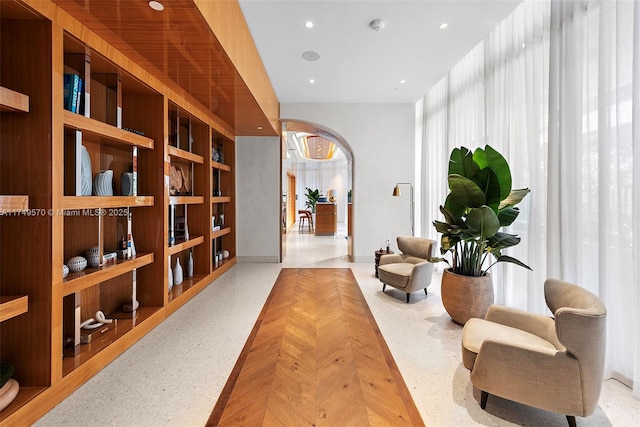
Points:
(310, 55)
(309, 24)
(312, 81)
(402, 82)
(156, 5)
(377, 24)
(443, 25)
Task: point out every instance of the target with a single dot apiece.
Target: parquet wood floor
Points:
(315, 357)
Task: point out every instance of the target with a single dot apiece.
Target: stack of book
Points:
(73, 89)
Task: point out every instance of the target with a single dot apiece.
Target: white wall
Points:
(381, 137)
(258, 199)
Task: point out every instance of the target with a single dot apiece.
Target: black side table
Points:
(379, 253)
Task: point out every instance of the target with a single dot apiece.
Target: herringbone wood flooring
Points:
(315, 358)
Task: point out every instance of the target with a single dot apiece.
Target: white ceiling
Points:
(357, 64)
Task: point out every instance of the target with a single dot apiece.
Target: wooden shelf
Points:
(88, 277)
(221, 199)
(220, 233)
(87, 351)
(183, 288)
(180, 246)
(12, 306)
(9, 203)
(109, 134)
(221, 166)
(25, 395)
(12, 101)
(185, 155)
(105, 202)
(186, 200)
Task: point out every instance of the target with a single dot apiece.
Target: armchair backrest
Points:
(416, 246)
(580, 319)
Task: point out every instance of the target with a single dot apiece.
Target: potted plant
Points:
(479, 204)
(312, 199)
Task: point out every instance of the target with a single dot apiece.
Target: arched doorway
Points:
(290, 126)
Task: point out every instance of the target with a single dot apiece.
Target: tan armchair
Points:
(553, 363)
(410, 271)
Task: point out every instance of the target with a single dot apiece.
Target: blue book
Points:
(79, 97)
(68, 90)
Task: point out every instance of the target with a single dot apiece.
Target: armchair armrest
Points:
(390, 259)
(537, 324)
(519, 373)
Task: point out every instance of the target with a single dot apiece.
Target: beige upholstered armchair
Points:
(553, 363)
(410, 271)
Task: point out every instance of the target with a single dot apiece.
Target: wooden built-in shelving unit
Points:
(172, 155)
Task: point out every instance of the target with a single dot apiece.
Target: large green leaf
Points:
(514, 197)
(441, 227)
(508, 215)
(465, 192)
(461, 163)
(484, 221)
(453, 207)
(502, 240)
(506, 258)
(452, 217)
(499, 166)
(487, 180)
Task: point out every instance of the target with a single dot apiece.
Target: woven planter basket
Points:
(465, 297)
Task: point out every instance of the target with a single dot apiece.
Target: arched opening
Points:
(291, 128)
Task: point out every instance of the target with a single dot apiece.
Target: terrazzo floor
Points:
(173, 375)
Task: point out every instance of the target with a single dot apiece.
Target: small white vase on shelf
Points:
(190, 265)
(178, 276)
(186, 232)
(170, 277)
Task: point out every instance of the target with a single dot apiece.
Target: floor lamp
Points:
(397, 193)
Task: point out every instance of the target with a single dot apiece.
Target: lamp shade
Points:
(396, 191)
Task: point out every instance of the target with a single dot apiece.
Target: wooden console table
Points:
(326, 219)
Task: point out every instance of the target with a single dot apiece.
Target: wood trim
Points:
(184, 245)
(12, 204)
(186, 200)
(185, 155)
(105, 131)
(12, 306)
(105, 202)
(13, 101)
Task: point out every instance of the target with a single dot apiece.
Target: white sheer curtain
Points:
(556, 88)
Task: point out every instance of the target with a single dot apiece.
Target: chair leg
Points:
(425, 291)
(408, 296)
(483, 399)
(384, 285)
(571, 420)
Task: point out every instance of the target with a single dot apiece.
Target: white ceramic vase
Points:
(178, 275)
(170, 277)
(85, 172)
(103, 183)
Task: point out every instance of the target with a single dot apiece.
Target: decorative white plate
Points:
(86, 173)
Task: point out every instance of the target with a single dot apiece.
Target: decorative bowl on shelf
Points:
(77, 263)
(65, 270)
(103, 183)
(225, 254)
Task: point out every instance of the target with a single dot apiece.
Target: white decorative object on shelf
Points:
(86, 173)
(170, 276)
(8, 392)
(65, 270)
(77, 263)
(93, 256)
(225, 254)
(190, 265)
(178, 276)
(103, 183)
(133, 248)
(186, 232)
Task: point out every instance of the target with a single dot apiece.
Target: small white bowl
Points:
(77, 263)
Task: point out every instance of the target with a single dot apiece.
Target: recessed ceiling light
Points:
(309, 24)
(402, 82)
(443, 25)
(259, 127)
(312, 81)
(310, 55)
(156, 5)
